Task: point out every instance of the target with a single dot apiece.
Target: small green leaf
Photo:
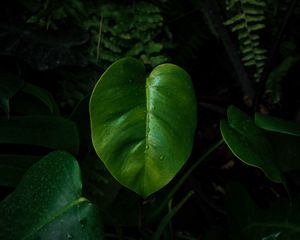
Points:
(249, 143)
(143, 128)
(48, 204)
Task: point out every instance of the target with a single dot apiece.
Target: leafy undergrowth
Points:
(241, 179)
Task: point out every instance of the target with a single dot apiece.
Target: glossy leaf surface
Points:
(143, 127)
(48, 204)
(249, 143)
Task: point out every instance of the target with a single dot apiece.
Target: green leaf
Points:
(46, 131)
(13, 167)
(280, 222)
(249, 143)
(143, 128)
(48, 204)
(43, 95)
(286, 149)
(274, 124)
(118, 205)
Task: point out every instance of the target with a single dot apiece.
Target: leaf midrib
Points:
(55, 215)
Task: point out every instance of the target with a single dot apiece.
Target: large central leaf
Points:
(143, 128)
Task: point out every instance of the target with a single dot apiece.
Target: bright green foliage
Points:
(143, 127)
(249, 143)
(248, 18)
(48, 204)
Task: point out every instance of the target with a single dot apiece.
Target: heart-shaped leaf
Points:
(48, 204)
(143, 128)
(249, 143)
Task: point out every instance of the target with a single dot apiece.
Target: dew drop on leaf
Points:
(69, 236)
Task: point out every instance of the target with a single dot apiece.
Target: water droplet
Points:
(82, 223)
(69, 236)
(161, 157)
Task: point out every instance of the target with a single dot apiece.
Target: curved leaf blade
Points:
(42, 95)
(274, 124)
(47, 131)
(143, 131)
(48, 203)
(249, 143)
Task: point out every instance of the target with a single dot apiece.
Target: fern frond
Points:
(248, 18)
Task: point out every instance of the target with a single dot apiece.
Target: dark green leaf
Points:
(274, 124)
(248, 222)
(48, 204)
(249, 143)
(43, 95)
(286, 150)
(143, 129)
(119, 205)
(46, 131)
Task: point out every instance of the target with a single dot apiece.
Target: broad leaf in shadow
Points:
(250, 143)
(51, 132)
(248, 222)
(48, 204)
(43, 50)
